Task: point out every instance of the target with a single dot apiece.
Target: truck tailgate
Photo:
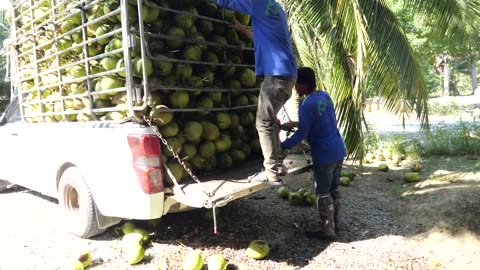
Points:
(231, 185)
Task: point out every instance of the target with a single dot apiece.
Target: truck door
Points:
(10, 122)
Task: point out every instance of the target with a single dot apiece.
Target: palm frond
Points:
(393, 69)
(452, 17)
(366, 45)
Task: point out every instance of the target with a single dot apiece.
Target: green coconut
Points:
(216, 262)
(295, 198)
(189, 150)
(193, 130)
(193, 261)
(179, 99)
(224, 161)
(247, 77)
(207, 149)
(160, 117)
(412, 177)
(344, 181)
(383, 167)
(222, 119)
(238, 156)
(177, 33)
(192, 52)
(176, 169)
(223, 143)
(283, 192)
(257, 249)
(210, 131)
(170, 129)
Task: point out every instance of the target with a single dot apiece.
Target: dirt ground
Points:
(386, 223)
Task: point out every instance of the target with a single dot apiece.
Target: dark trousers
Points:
(326, 178)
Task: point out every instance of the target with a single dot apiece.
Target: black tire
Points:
(76, 202)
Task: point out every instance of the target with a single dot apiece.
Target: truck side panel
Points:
(101, 153)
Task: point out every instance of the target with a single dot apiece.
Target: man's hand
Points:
(289, 126)
(236, 25)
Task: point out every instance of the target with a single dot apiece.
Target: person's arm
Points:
(245, 6)
(304, 126)
(240, 28)
(289, 126)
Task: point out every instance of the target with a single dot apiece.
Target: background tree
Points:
(359, 47)
(457, 22)
(448, 48)
(365, 45)
(4, 86)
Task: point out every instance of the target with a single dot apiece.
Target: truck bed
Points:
(231, 184)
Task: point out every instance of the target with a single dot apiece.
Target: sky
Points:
(5, 4)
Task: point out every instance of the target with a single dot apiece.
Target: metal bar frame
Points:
(137, 94)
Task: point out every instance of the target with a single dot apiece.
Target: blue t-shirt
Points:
(318, 124)
(273, 47)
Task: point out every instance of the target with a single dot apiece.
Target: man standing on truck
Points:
(317, 123)
(275, 62)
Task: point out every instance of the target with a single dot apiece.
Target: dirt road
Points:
(386, 224)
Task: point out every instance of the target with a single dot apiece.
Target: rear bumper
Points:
(219, 189)
(141, 207)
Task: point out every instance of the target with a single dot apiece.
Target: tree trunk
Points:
(446, 77)
(473, 74)
(453, 86)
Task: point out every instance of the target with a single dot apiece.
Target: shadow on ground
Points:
(376, 204)
(446, 199)
(260, 216)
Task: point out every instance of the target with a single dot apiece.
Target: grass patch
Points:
(451, 108)
(453, 140)
(443, 140)
(453, 164)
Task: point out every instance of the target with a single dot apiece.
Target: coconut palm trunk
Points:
(473, 75)
(446, 77)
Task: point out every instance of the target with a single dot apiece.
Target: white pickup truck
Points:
(87, 77)
(88, 167)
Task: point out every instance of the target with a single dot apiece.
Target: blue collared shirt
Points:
(318, 124)
(272, 42)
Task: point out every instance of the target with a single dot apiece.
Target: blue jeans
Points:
(326, 178)
(274, 92)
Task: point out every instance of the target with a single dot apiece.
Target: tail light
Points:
(147, 161)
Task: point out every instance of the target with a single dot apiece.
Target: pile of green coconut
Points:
(198, 72)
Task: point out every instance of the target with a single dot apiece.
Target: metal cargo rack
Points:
(44, 53)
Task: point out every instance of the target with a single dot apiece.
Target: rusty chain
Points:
(175, 155)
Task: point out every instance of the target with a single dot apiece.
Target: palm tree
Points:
(4, 34)
(361, 43)
(4, 86)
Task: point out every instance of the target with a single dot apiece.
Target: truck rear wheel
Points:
(76, 202)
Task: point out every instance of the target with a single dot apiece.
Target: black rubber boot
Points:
(326, 211)
(336, 202)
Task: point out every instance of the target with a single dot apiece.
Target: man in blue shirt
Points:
(317, 123)
(275, 62)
